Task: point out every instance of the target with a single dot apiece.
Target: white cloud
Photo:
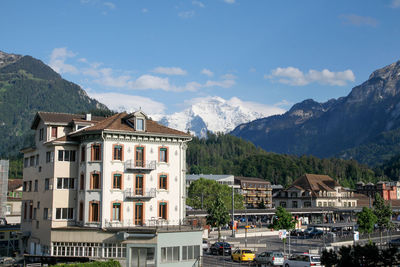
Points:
(228, 76)
(359, 20)
(207, 72)
(145, 10)
(198, 3)
(57, 61)
(294, 76)
(223, 83)
(130, 103)
(109, 5)
(229, 1)
(170, 71)
(395, 4)
(186, 14)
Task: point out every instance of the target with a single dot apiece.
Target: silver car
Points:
(303, 260)
(269, 258)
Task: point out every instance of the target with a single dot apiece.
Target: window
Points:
(118, 152)
(169, 254)
(36, 185)
(117, 181)
(96, 152)
(37, 160)
(81, 211)
(319, 204)
(24, 189)
(190, 252)
(49, 156)
(83, 153)
(116, 212)
(95, 181)
(82, 182)
(163, 210)
(26, 162)
(46, 184)
(139, 125)
(294, 204)
(163, 182)
(282, 204)
(45, 213)
(307, 204)
(54, 132)
(65, 183)
(34, 213)
(64, 213)
(8, 209)
(139, 156)
(30, 186)
(94, 211)
(41, 134)
(66, 155)
(32, 161)
(163, 154)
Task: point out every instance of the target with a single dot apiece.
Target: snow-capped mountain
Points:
(215, 114)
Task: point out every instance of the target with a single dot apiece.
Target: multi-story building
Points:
(312, 190)
(255, 191)
(98, 187)
(14, 200)
(387, 190)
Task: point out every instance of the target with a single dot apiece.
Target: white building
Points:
(88, 178)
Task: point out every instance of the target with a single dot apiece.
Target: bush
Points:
(109, 263)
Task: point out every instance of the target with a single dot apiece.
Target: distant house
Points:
(255, 191)
(14, 201)
(313, 190)
(387, 190)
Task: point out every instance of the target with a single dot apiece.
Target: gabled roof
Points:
(118, 122)
(315, 182)
(251, 179)
(14, 184)
(61, 118)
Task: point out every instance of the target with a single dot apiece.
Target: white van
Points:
(303, 260)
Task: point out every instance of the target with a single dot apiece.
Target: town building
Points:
(256, 192)
(387, 190)
(227, 179)
(314, 190)
(14, 201)
(107, 188)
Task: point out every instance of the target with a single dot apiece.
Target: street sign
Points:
(356, 236)
(282, 234)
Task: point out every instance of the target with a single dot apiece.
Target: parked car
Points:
(269, 258)
(316, 233)
(205, 245)
(302, 260)
(243, 255)
(221, 248)
(297, 232)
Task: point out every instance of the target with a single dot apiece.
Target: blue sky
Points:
(163, 55)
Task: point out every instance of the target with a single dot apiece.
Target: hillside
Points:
(227, 154)
(27, 85)
(363, 125)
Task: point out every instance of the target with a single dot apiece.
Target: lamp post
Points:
(233, 212)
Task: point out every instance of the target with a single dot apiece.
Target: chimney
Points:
(88, 117)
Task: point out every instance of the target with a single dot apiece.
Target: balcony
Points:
(140, 165)
(139, 194)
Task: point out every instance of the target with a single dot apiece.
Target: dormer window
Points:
(139, 124)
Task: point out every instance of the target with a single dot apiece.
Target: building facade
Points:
(14, 201)
(312, 190)
(84, 172)
(256, 192)
(387, 190)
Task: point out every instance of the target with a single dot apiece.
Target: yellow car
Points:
(243, 255)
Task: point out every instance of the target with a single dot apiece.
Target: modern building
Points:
(227, 179)
(255, 191)
(14, 201)
(106, 188)
(313, 190)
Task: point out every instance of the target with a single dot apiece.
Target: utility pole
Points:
(233, 212)
(202, 198)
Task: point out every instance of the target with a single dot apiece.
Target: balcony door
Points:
(139, 185)
(139, 215)
(139, 156)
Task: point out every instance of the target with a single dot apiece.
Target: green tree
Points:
(283, 220)
(366, 220)
(218, 214)
(329, 258)
(384, 214)
(201, 194)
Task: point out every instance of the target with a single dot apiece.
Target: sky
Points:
(163, 55)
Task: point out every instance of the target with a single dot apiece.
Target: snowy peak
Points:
(215, 114)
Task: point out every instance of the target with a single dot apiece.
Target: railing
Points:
(140, 193)
(140, 165)
(154, 223)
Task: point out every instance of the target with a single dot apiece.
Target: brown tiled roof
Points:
(117, 123)
(14, 184)
(315, 182)
(65, 118)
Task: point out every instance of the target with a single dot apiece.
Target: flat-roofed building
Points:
(256, 192)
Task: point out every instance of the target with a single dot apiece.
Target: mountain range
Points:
(213, 114)
(27, 85)
(365, 125)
